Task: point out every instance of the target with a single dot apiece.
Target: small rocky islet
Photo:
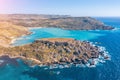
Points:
(51, 51)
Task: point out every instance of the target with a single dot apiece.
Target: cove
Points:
(39, 33)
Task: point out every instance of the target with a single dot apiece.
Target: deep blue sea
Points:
(110, 70)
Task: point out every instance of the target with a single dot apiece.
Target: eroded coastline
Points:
(62, 51)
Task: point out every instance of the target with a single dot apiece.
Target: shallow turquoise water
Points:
(39, 33)
(110, 70)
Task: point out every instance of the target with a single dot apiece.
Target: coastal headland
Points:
(50, 51)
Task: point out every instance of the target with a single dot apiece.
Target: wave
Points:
(1, 61)
(116, 29)
(103, 57)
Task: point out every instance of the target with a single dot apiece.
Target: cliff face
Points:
(9, 31)
(66, 22)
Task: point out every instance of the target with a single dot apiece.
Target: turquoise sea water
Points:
(110, 70)
(38, 33)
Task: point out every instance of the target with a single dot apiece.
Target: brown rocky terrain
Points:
(56, 51)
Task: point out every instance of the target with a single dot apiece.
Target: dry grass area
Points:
(58, 39)
(8, 32)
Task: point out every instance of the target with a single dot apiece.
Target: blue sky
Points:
(62, 7)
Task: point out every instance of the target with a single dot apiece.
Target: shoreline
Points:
(72, 28)
(34, 27)
(16, 38)
(54, 65)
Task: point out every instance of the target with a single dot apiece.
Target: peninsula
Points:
(56, 51)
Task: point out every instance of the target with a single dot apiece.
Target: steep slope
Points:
(8, 32)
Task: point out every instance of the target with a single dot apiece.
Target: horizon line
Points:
(51, 14)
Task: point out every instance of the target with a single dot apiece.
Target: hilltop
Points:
(8, 32)
(59, 21)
